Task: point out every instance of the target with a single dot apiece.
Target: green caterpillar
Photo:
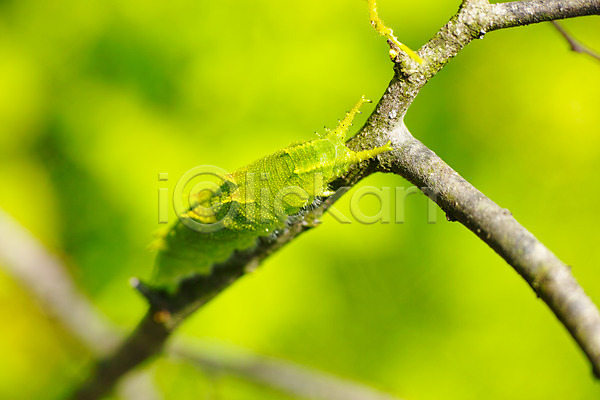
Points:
(254, 201)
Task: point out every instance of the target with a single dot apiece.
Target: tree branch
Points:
(548, 276)
(518, 13)
(50, 283)
(152, 332)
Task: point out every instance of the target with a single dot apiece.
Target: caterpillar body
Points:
(255, 201)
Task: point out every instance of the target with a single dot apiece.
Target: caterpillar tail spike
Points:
(344, 124)
(386, 31)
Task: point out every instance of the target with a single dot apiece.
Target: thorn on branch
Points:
(157, 299)
(450, 217)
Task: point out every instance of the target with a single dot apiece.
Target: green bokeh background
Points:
(98, 97)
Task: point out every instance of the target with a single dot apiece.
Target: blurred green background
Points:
(98, 97)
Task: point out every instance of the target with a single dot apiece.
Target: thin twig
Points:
(139, 385)
(549, 277)
(286, 377)
(576, 45)
(43, 274)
